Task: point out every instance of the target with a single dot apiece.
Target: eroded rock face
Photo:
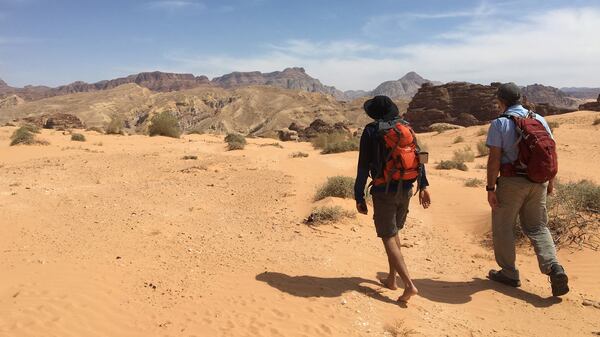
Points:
(56, 121)
(319, 126)
(542, 94)
(592, 106)
(462, 103)
(286, 135)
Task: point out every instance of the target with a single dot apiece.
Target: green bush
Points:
(235, 141)
(115, 126)
(345, 146)
(464, 155)
(338, 186)
(328, 214)
(452, 165)
(22, 136)
(474, 182)
(482, 149)
(458, 139)
(32, 128)
(78, 137)
(335, 142)
(164, 124)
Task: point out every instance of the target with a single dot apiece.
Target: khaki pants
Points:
(519, 197)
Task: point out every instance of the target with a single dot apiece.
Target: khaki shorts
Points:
(390, 211)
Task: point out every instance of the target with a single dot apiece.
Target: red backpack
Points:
(537, 150)
(399, 159)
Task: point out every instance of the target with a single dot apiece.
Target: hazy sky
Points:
(352, 44)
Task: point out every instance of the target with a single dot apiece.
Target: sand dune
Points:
(119, 236)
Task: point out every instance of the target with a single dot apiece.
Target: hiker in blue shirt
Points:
(391, 196)
(514, 195)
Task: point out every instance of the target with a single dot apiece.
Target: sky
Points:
(350, 44)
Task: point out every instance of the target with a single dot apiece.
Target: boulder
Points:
(320, 126)
(286, 135)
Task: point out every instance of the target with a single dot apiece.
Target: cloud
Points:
(555, 47)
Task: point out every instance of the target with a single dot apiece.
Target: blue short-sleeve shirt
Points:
(503, 134)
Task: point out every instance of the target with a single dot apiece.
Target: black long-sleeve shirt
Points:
(366, 163)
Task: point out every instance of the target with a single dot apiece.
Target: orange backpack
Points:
(399, 155)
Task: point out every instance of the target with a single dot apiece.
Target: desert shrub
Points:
(452, 165)
(115, 126)
(22, 136)
(188, 157)
(328, 214)
(164, 124)
(481, 132)
(31, 128)
(482, 149)
(573, 215)
(338, 186)
(553, 125)
(235, 141)
(95, 129)
(474, 182)
(464, 155)
(596, 121)
(78, 137)
(299, 155)
(458, 139)
(335, 142)
(345, 146)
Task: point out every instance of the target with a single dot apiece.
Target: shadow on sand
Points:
(312, 286)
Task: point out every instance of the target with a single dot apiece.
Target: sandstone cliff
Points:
(537, 93)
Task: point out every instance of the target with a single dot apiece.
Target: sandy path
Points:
(127, 239)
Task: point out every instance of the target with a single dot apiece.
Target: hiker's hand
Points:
(424, 199)
(362, 208)
(550, 186)
(493, 200)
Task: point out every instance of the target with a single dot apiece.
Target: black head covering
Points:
(381, 107)
(509, 93)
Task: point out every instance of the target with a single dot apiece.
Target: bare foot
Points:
(389, 283)
(408, 293)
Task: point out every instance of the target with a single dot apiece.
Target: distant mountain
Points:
(289, 78)
(538, 93)
(583, 93)
(406, 87)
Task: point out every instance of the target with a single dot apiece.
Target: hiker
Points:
(389, 154)
(523, 152)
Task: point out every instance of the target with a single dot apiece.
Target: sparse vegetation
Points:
(464, 155)
(22, 136)
(474, 182)
(335, 143)
(327, 214)
(441, 127)
(235, 141)
(553, 125)
(78, 137)
(272, 144)
(338, 186)
(164, 124)
(189, 157)
(458, 139)
(481, 132)
(482, 149)
(596, 121)
(31, 128)
(95, 129)
(299, 155)
(451, 165)
(399, 330)
(115, 126)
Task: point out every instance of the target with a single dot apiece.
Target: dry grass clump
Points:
(596, 121)
(553, 125)
(189, 157)
(338, 186)
(335, 142)
(299, 155)
(328, 214)
(164, 124)
(441, 127)
(31, 128)
(277, 145)
(573, 215)
(78, 137)
(474, 182)
(235, 141)
(24, 136)
(398, 330)
(481, 132)
(452, 165)
(464, 155)
(458, 139)
(482, 149)
(115, 126)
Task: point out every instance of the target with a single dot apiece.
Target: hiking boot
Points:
(559, 280)
(496, 275)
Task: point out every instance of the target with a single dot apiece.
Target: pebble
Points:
(344, 302)
(588, 303)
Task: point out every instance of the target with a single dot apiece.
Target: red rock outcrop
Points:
(592, 106)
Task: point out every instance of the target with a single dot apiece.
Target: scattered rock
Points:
(286, 135)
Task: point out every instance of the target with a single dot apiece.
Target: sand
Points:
(119, 236)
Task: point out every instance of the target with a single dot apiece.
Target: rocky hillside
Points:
(537, 93)
(404, 88)
(582, 93)
(592, 106)
(463, 104)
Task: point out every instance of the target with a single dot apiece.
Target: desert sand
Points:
(119, 236)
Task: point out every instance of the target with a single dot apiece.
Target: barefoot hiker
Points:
(390, 155)
(523, 151)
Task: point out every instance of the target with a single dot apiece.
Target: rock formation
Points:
(55, 121)
(582, 93)
(537, 93)
(593, 106)
(405, 88)
(319, 126)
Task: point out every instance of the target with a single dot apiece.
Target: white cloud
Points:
(556, 47)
